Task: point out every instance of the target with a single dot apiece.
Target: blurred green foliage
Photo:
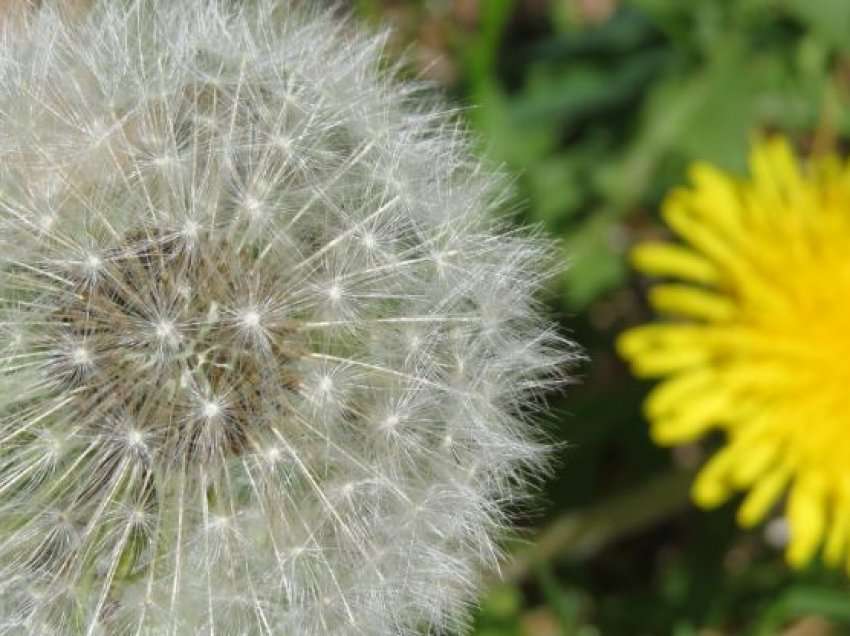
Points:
(601, 120)
(598, 107)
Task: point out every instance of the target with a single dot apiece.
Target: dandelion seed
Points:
(335, 292)
(391, 422)
(191, 229)
(369, 241)
(251, 319)
(166, 330)
(211, 410)
(93, 262)
(81, 356)
(757, 346)
(136, 438)
(214, 261)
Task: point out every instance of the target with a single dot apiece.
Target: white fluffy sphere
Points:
(266, 359)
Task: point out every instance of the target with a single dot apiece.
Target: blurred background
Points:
(597, 107)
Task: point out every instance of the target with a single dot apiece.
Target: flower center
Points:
(178, 340)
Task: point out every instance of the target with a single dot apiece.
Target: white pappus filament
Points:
(266, 357)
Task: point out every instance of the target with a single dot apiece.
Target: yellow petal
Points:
(692, 302)
(668, 396)
(836, 540)
(774, 169)
(716, 198)
(807, 519)
(659, 349)
(764, 494)
(665, 259)
(758, 459)
(679, 215)
(711, 486)
(691, 420)
(734, 260)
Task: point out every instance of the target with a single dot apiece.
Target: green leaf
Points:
(829, 19)
(596, 262)
(482, 52)
(801, 600)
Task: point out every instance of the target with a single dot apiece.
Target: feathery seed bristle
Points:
(267, 359)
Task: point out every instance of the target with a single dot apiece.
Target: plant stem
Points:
(578, 536)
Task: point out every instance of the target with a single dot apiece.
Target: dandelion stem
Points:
(581, 535)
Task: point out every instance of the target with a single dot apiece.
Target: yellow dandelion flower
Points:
(756, 340)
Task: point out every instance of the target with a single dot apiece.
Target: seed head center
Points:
(163, 340)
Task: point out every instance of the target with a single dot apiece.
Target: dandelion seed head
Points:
(275, 354)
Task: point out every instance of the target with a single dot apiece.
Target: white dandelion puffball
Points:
(267, 362)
